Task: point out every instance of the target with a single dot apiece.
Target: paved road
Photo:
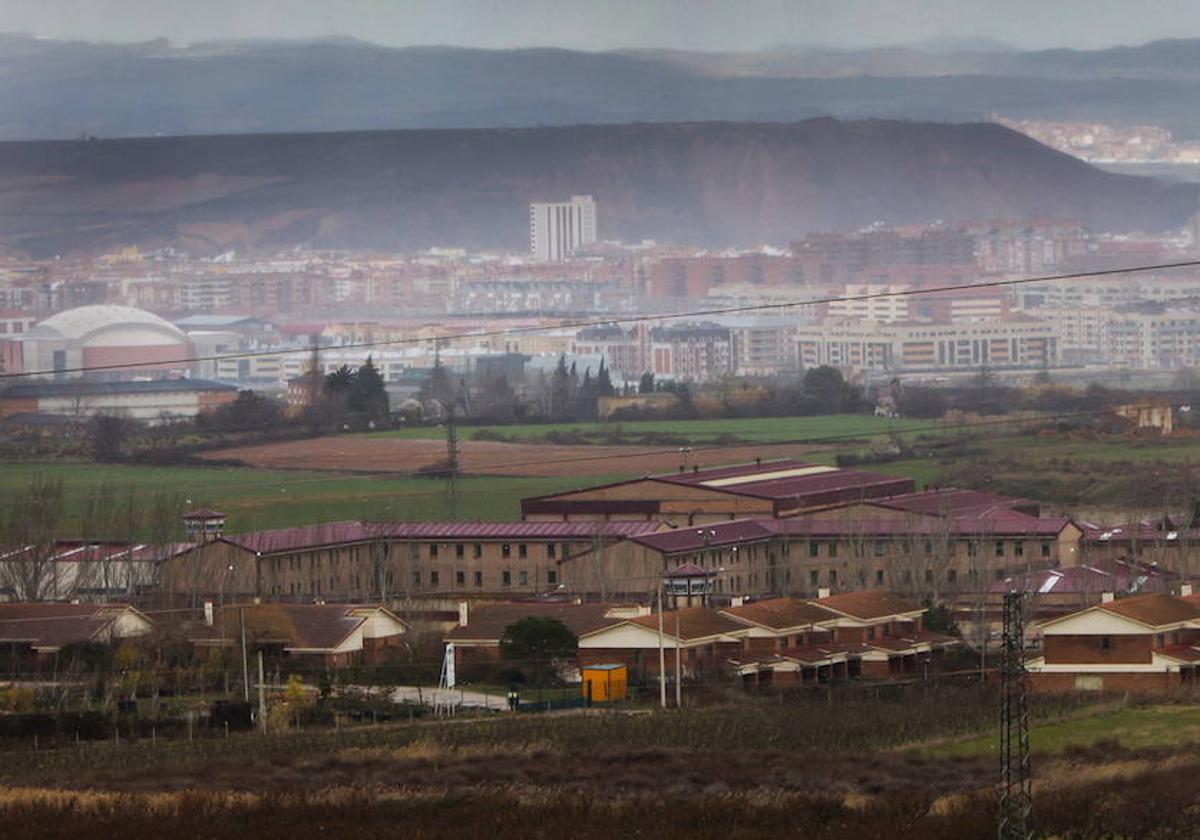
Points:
(460, 698)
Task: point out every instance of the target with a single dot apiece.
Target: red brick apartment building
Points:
(1144, 644)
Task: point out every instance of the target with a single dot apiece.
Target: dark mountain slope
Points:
(54, 89)
(704, 183)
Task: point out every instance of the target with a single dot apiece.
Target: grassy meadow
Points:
(1065, 470)
(257, 499)
(1129, 727)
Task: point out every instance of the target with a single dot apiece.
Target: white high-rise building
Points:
(558, 229)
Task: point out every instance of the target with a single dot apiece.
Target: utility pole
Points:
(1016, 784)
(245, 664)
(678, 669)
(451, 461)
(262, 697)
(662, 655)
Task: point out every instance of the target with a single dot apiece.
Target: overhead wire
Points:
(621, 319)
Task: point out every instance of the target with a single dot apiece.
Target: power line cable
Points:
(627, 319)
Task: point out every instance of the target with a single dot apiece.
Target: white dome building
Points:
(105, 336)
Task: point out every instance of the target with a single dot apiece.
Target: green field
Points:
(760, 429)
(275, 499)
(1134, 727)
(1075, 471)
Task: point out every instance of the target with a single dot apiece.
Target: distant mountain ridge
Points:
(59, 89)
(709, 184)
(1170, 59)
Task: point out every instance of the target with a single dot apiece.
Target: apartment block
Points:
(558, 229)
(1014, 342)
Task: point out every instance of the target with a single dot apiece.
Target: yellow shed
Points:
(604, 683)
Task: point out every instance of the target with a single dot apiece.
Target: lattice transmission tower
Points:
(1016, 782)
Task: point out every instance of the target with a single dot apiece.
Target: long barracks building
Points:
(777, 528)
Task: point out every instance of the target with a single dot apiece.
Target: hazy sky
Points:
(610, 24)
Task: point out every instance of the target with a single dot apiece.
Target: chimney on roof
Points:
(1106, 597)
(464, 613)
(823, 592)
(208, 613)
(1185, 589)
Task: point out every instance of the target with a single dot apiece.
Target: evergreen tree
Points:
(560, 388)
(340, 382)
(604, 386)
(368, 395)
(646, 384)
(827, 386)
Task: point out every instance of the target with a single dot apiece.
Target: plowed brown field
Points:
(379, 454)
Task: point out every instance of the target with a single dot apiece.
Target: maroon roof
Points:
(1156, 609)
(813, 654)
(1118, 576)
(964, 526)
(692, 623)
(514, 530)
(53, 625)
(1137, 532)
(69, 551)
(955, 501)
(733, 471)
(818, 488)
(697, 538)
(305, 536)
(781, 613)
(868, 604)
(338, 533)
(687, 570)
(203, 513)
(314, 627)
(639, 507)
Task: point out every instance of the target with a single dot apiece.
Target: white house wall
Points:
(1094, 622)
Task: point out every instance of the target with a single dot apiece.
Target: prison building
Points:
(691, 497)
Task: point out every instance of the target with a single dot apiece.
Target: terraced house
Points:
(867, 633)
(782, 641)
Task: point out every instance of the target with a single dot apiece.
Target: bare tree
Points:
(598, 558)
(30, 530)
